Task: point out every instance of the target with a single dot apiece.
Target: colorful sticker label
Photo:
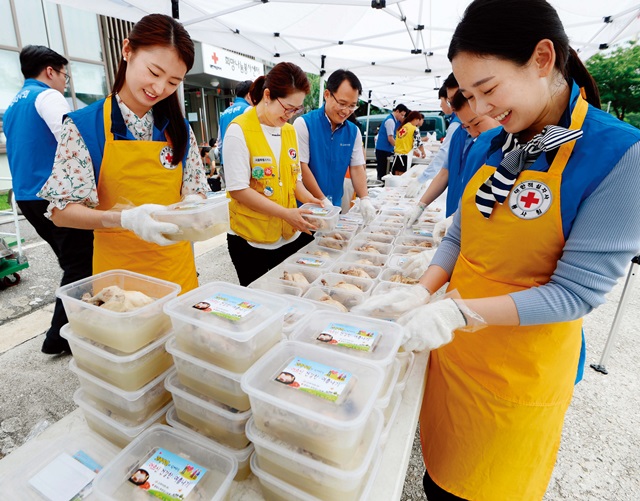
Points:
(351, 219)
(422, 232)
(315, 378)
(168, 476)
(226, 306)
(310, 261)
(346, 226)
(318, 211)
(349, 336)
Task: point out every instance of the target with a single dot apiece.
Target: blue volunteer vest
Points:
(383, 141)
(31, 146)
(237, 108)
(461, 143)
(90, 124)
(329, 152)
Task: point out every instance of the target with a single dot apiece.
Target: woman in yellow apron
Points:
(133, 148)
(542, 234)
(263, 177)
(408, 142)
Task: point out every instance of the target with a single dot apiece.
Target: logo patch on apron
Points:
(293, 154)
(268, 190)
(530, 199)
(257, 173)
(166, 157)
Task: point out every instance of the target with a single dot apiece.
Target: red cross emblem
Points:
(215, 58)
(529, 199)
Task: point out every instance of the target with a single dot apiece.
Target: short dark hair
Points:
(337, 77)
(401, 108)
(450, 82)
(35, 58)
(442, 92)
(242, 89)
(458, 101)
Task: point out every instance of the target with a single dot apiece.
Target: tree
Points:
(618, 77)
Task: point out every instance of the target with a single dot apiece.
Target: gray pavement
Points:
(599, 458)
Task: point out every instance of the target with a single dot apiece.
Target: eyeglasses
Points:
(67, 78)
(290, 111)
(344, 106)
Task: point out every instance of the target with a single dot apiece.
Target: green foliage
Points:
(618, 77)
(311, 99)
(633, 119)
(4, 201)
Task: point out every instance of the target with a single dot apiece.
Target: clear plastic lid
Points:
(229, 310)
(193, 208)
(321, 212)
(365, 338)
(312, 382)
(302, 259)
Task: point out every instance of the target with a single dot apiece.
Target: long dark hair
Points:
(282, 80)
(412, 115)
(154, 30)
(511, 29)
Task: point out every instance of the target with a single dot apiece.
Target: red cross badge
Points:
(402, 132)
(293, 154)
(530, 199)
(166, 158)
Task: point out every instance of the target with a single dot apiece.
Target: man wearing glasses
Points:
(32, 125)
(329, 144)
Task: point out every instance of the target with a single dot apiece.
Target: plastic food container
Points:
(316, 477)
(385, 229)
(271, 284)
(366, 339)
(406, 359)
(356, 269)
(127, 371)
(416, 241)
(348, 299)
(383, 219)
(323, 218)
(398, 260)
(388, 275)
(366, 258)
(390, 415)
(405, 250)
(308, 260)
(299, 310)
(135, 406)
(332, 243)
(226, 324)
(208, 379)
(197, 221)
(348, 226)
(113, 481)
(294, 274)
(15, 484)
(366, 237)
(122, 331)
(388, 386)
(333, 279)
(241, 456)
(117, 430)
(421, 230)
(313, 398)
(314, 249)
(371, 247)
(212, 419)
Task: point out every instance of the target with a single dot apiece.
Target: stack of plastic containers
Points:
(221, 329)
(119, 356)
(315, 426)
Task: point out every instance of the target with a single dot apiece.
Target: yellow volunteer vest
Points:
(131, 171)
(276, 183)
(495, 399)
(404, 139)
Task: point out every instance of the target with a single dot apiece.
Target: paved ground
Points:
(600, 453)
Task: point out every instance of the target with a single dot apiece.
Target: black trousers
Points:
(400, 163)
(381, 161)
(436, 493)
(251, 263)
(72, 247)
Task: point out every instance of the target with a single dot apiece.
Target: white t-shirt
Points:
(52, 106)
(237, 167)
(357, 155)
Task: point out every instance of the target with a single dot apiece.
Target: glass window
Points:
(89, 82)
(7, 31)
(53, 25)
(82, 32)
(10, 78)
(31, 22)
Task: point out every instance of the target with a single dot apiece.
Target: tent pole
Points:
(321, 82)
(366, 127)
(600, 367)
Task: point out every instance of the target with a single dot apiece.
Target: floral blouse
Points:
(72, 178)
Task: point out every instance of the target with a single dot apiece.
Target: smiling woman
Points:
(134, 147)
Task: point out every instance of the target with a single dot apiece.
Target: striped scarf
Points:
(516, 156)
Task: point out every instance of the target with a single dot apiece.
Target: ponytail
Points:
(576, 70)
(257, 89)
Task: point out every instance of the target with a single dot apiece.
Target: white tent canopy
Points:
(398, 52)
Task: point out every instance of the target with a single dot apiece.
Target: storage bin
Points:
(197, 221)
(323, 218)
(294, 274)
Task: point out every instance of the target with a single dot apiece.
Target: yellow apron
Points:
(131, 170)
(495, 399)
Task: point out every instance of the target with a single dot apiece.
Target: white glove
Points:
(326, 203)
(139, 221)
(441, 228)
(413, 188)
(394, 303)
(417, 264)
(192, 198)
(367, 210)
(431, 326)
(412, 216)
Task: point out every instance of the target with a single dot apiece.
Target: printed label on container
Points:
(310, 261)
(349, 336)
(421, 232)
(346, 226)
(318, 211)
(315, 378)
(168, 476)
(226, 306)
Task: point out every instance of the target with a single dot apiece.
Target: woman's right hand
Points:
(295, 219)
